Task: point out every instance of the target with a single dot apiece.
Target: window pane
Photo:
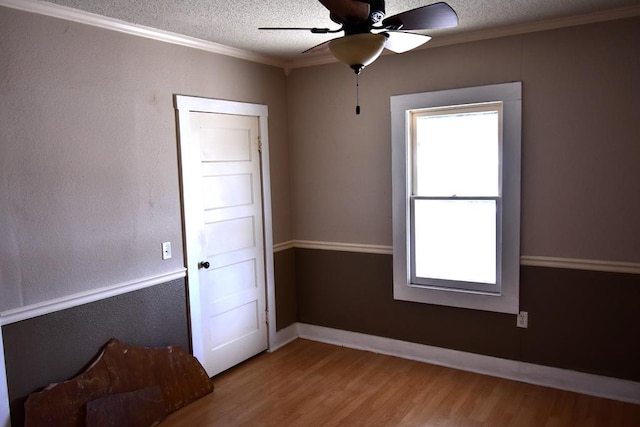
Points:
(457, 154)
(456, 240)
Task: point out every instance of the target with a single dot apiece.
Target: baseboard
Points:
(284, 337)
(563, 379)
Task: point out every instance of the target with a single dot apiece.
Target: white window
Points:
(456, 197)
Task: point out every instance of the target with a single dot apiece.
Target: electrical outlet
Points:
(523, 320)
(166, 250)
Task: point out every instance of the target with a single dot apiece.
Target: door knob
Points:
(205, 264)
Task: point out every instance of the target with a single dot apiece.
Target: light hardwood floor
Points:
(308, 383)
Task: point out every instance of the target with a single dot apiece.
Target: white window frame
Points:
(506, 298)
(416, 195)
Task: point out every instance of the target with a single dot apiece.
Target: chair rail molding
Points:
(69, 301)
(526, 260)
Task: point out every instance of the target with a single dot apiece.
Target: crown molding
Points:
(94, 20)
(532, 27)
(87, 18)
(497, 32)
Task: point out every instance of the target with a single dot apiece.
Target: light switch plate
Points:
(166, 250)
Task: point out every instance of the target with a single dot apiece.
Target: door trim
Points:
(184, 105)
(5, 419)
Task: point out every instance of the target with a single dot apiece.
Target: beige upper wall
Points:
(581, 137)
(88, 152)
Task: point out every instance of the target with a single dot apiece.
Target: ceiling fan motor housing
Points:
(376, 14)
(376, 10)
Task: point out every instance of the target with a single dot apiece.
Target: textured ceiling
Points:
(235, 22)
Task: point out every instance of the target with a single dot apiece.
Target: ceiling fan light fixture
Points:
(358, 50)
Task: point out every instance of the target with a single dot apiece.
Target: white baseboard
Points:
(563, 379)
(284, 337)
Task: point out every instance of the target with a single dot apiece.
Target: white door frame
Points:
(5, 419)
(184, 105)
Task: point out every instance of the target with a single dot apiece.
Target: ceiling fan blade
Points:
(313, 30)
(322, 47)
(348, 10)
(400, 41)
(437, 15)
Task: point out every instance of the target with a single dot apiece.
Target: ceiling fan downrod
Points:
(357, 94)
(368, 31)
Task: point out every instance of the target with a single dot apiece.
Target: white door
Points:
(222, 196)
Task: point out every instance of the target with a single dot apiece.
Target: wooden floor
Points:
(308, 384)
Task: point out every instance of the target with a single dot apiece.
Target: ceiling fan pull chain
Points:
(357, 95)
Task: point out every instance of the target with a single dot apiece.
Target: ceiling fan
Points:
(367, 32)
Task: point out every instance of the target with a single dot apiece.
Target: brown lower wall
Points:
(286, 295)
(57, 346)
(579, 320)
